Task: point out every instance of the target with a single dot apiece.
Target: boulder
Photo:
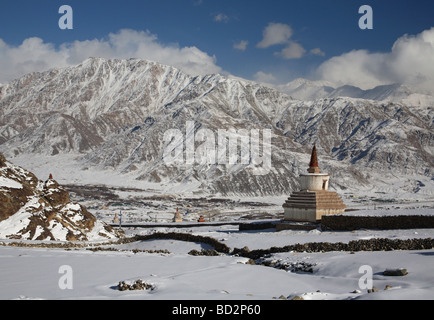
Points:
(395, 272)
(374, 289)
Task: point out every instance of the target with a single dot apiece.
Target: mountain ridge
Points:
(304, 89)
(113, 115)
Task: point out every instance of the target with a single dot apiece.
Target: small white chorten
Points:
(314, 199)
(177, 217)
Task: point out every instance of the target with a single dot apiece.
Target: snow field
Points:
(34, 272)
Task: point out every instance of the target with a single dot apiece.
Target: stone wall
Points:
(218, 246)
(352, 246)
(348, 223)
(257, 225)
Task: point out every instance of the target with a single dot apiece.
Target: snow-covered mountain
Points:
(115, 115)
(304, 89)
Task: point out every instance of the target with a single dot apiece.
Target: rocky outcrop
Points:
(31, 209)
(15, 187)
(137, 285)
(204, 252)
(395, 272)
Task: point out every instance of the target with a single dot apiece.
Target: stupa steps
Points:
(313, 196)
(318, 199)
(295, 201)
(318, 206)
(313, 193)
(333, 204)
(334, 200)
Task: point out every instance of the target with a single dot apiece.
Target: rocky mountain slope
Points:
(115, 115)
(31, 209)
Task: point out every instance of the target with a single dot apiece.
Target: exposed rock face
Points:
(31, 209)
(54, 193)
(16, 186)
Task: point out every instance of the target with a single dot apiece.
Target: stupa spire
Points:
(313, 165)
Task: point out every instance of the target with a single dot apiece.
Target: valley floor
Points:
(40, 273)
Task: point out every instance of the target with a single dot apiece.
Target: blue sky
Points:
(227, 34)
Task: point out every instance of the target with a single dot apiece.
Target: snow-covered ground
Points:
(40, 273)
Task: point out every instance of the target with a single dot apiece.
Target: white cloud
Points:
(292, 51)
(36, 55)
(263, 77)
(275, 33)
(410, 62)
(317, 52)
(221, 17)
(358, 68)
(242, 45)
(32, 55)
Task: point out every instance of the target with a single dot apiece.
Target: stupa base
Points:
(310, 206)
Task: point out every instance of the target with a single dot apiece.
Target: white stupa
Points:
(314, 199)
(177, 217)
